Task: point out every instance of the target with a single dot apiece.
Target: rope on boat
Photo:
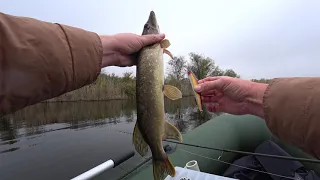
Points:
(218, 160)
(250, 153)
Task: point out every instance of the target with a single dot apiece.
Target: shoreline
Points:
(94, 100)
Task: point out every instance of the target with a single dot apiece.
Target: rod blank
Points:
(104, 166)
(95, 171)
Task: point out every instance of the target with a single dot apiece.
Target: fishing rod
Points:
(111, 163)
(244, 152)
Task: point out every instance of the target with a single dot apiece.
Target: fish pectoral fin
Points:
(172, 92)
(168, 53)
(171, 132)
(165, 43)
(140, 144)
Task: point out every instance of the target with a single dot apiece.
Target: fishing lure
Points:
(194, 81)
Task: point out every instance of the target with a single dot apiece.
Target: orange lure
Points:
(194, 82)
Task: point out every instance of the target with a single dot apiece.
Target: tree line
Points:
(112, 87)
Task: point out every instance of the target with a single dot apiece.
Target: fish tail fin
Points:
(162, 167)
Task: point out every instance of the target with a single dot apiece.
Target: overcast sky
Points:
(257, 39)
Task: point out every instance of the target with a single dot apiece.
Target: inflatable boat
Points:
(215, 145)
(243, 133)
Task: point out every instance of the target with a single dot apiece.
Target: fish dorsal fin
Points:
(165, 44)
(168, 53)
(171, 132)
(171, 92)
(140, 145)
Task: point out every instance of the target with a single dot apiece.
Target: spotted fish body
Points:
(151, 127)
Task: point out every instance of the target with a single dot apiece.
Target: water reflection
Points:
(28, 128)
(37, 119)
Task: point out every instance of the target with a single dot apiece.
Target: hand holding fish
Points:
(121, 49)
(232, 95)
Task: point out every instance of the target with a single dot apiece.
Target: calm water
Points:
(63, 140)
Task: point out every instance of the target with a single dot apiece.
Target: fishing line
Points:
(249, 153)
(243, 152)
(218, 160)
(278, 175)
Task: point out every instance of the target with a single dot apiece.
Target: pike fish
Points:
(151, 127)
(194, 81)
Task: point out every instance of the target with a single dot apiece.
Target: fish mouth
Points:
(151, 26)
(152, 19)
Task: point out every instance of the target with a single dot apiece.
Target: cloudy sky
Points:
(257, 39)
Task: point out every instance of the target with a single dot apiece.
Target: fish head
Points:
(151, 26)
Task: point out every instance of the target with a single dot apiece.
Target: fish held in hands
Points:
(151, 127)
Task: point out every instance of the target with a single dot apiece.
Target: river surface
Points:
(62, 140)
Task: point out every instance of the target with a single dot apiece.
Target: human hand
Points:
(121, 49)
(232, 95)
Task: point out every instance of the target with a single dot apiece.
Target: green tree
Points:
(177, 67)
(217, 72)
(176, 71)
(200, 65)
(231, 73)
